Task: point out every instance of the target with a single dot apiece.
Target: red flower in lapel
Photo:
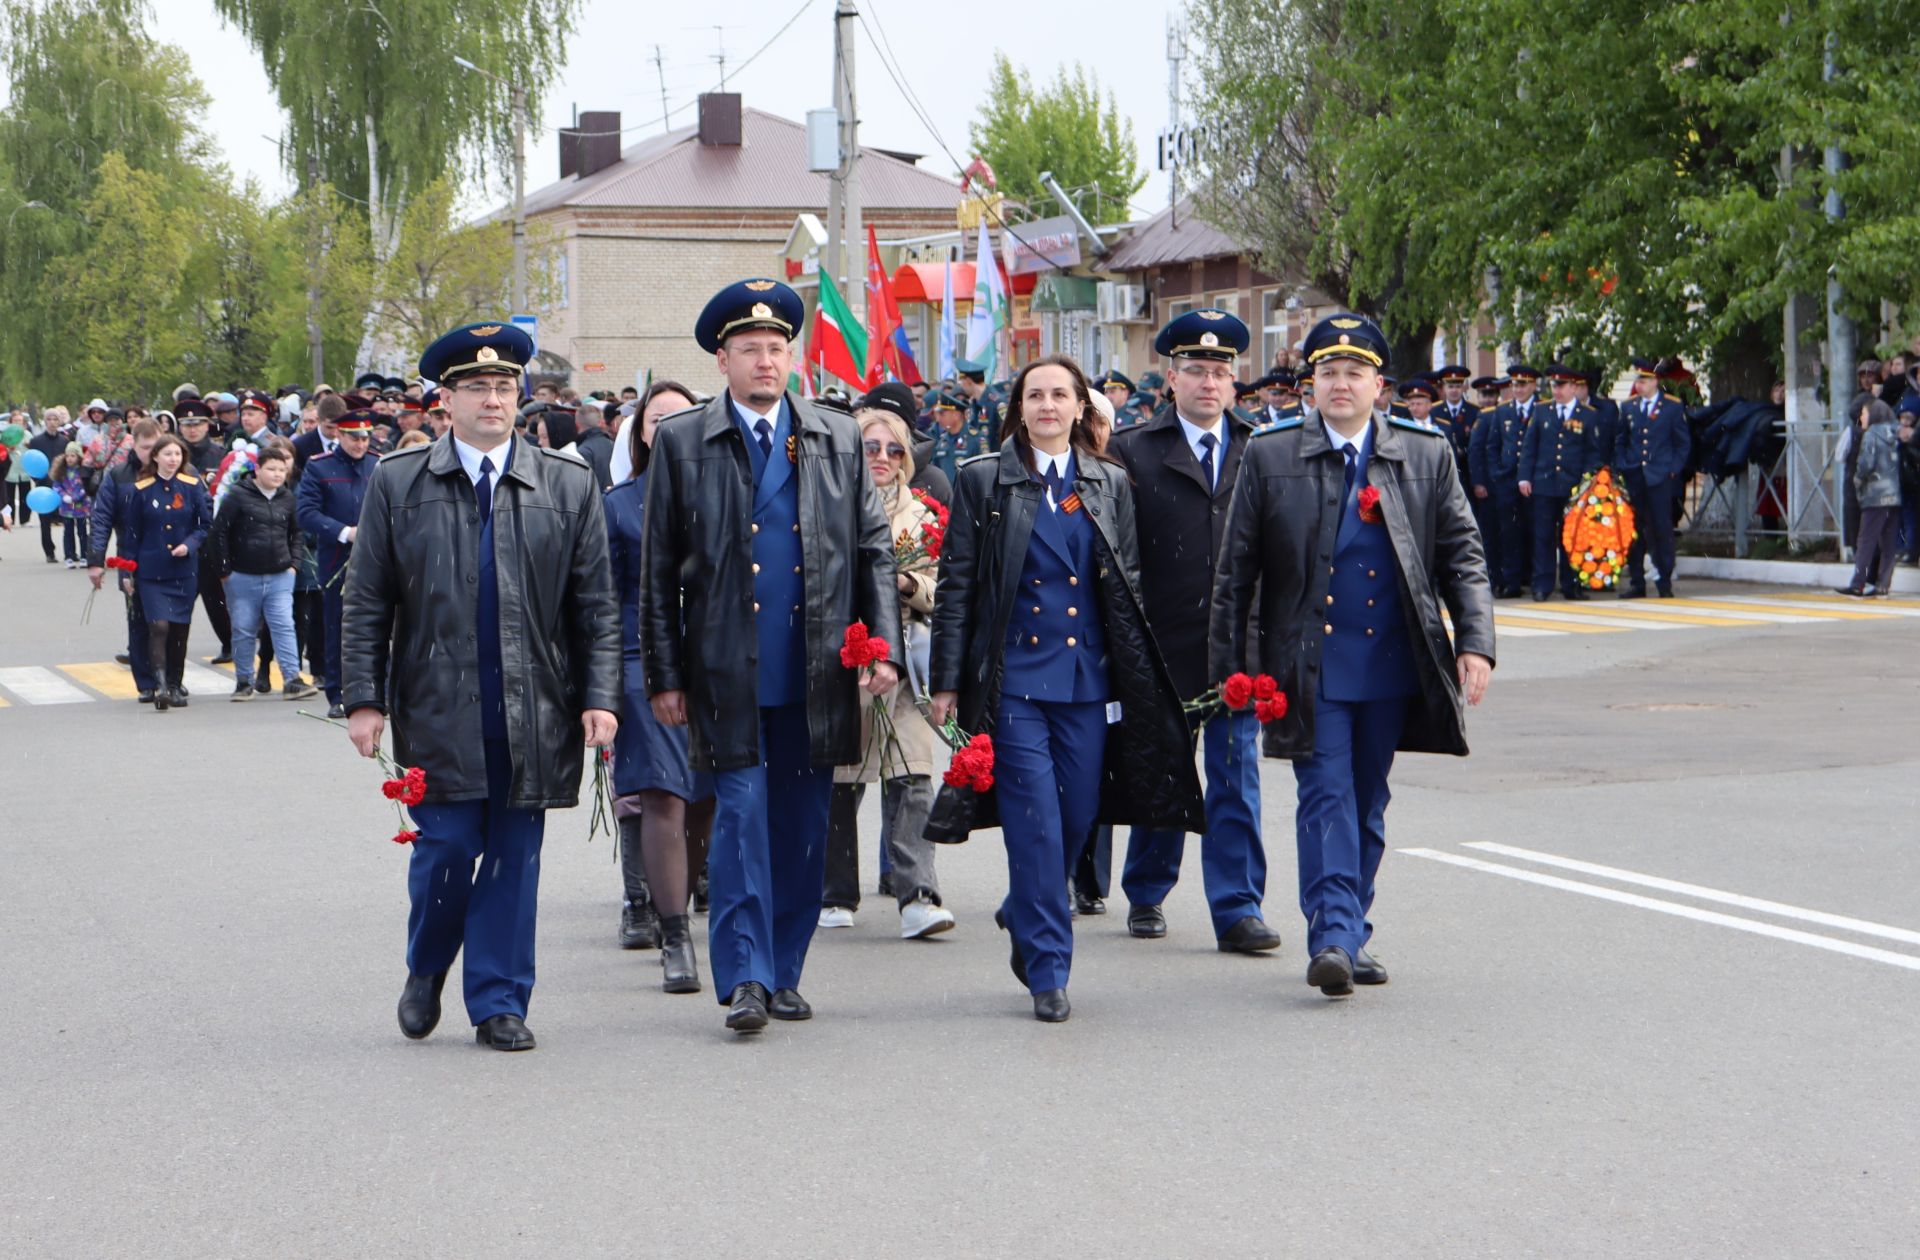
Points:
(1370, 505)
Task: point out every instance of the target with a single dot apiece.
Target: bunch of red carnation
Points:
(409, 789)
(125, 564)
(860, 650)
(1236, 693)
(909, 550)
(972, 764)
(1370, 505)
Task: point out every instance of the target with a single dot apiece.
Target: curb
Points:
(1906, 580)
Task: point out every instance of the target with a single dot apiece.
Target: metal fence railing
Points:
(1796, 497)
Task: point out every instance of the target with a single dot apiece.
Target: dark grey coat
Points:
(1149, 778)
(696, 578)
(408, 631)
(1280, 535)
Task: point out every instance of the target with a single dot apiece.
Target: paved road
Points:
(203, 941)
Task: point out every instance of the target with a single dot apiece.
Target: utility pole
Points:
(1176, 53)
(844, 230)
(519, 201)
(1840, 331)
(316, 351)
(660, 68)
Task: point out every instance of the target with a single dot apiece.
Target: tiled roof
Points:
(768, 170)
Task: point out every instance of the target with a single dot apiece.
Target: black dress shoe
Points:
(1051, 1007)
(702, 894)
(639, 927)
(121, 658)
(504, 1032)
(420, 1004)
(1249, 936)
(1331, 971)
(1088, 903)
(1367, 969)
(1014, 960)
(789, 1005)
(1634, 592)
(1540, 597)
(224, 658)
(1146, 922)
(177, 697)
(1855, 591)
(679, 967)
(1575, 594)
(162, 700)
(145, 697)
(747, 1010)
(336, 711)
(1665, 592)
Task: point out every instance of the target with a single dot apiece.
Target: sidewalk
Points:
(1906, 580)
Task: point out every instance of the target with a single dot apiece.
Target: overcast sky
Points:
(944, 51)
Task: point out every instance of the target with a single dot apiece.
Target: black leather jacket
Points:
(696, 578)
(1148, 778)
(255, 534)
(407, 640)
(1280, 534)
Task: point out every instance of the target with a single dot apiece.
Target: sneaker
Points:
(242, 691)
(836, 917)
(921, 918)
(68, 563)
(297, 689)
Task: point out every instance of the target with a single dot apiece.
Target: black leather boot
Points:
(679, 966)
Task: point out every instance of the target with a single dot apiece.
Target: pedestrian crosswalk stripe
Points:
(1572, 622)
(273, 671)
(1812, 606)
(1624, 612)
(1823, 597)
(106, 677)
(33, 684)
(202, 681)
(1511, 621)
(1799, 614)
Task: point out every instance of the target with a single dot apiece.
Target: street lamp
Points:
(26, 205)
(519, 183)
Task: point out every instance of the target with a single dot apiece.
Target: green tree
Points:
(120, 314)
(322, 250)
(1067, 127)
(84, 80)
(228, 296)
(399, 110)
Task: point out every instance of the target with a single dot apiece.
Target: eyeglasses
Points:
(1194, 372)
(894, 449)
(485, 389)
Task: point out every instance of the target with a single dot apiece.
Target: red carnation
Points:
(972, 765)
(1370, 505)
(1237, 691)
(1264, 688)
(1273, 710)
(860, 650)
(933, 538)
(413, 786)
(393, 789)
(406, 837)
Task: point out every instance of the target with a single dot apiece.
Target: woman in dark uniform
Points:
(1039, 637)
(665, 809)
(167, 522)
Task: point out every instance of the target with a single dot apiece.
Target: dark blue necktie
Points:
(1353, 468)
(483, 488)
(765, 431)
(1057, 485)
(1207, 443)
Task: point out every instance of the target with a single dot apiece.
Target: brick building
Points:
(649, 233)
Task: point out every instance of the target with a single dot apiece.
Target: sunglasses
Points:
(894, 449)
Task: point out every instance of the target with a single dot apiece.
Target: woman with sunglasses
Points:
(903, 766)
(1039, 638)
(665, 810)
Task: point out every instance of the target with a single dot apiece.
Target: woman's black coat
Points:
(1148, 777)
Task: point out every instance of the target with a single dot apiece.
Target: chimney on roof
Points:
(720, 119)
(591, 145)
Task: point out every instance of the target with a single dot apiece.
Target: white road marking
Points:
(1525, 632)
(1881, 607)
(1755, 926)
(210, 683)
(1535, 612)
(35, 685)
(1905, 936)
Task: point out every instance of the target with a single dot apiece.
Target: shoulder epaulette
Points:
(187, 477)
(1414, 426)
(143, 483)
(1279, 426)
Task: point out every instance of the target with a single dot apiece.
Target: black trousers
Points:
(1093, 873)
(47, 521)
(310, 628)
(213, 597)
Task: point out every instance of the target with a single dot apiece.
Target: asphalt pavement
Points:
(1670, 1012)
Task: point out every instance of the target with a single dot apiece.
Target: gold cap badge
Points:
(1345, 340)
(487, 354)
(1209, 340)
(762, 311)
(485, 330)
(1211, 314)
(759, 286)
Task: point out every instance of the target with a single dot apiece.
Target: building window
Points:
(562, 277)
(1274, 333)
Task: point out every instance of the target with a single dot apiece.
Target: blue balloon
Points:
(43, 499)
(34, 463)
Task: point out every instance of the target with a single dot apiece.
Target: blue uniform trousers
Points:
(1233, 864)
(491, 912)
(1486, 514)
(1340, 824)
(768, 858)
(1550, 565)
(1514, 514)
(330, 606)
(1047, 762)
(1653, 515)
(138, 656)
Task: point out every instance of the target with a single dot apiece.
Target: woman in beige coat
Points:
(902, 765)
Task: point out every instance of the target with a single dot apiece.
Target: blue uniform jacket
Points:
(1656, 441)
(1559, 452)
(328, 501)
(161, 515)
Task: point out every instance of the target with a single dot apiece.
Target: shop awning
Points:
(922, 282)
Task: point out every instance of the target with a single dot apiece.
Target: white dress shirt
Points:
(470, 457)
(1058, 463)
(1194, 433)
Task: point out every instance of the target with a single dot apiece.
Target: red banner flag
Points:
(886, 332)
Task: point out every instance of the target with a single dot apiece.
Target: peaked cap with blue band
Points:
(1346, 336)
(1207, 333)
(746, 305)
(490, 347)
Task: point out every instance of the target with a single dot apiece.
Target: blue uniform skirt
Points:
(649, 756)
(167, 599)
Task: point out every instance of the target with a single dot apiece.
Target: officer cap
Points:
(1456, 373)
(893, 398)
(430, 398)
(1244, 389)
(1420, 387)
(1114, 378)
(472, 348)
(192, 410)
(1646, 368)
(252, 398)
(1521, 372)
(394, 382)
(1485, 382)
(1207, 333)
(749, 304)
(967, 367)
(1561, 374)
(1501, 382)
(355, 400)
(1269, 381)
(941, 400)
(359, 420)
(1141, 400)
(369, 380)
(1347, 336)
(1152, 381)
